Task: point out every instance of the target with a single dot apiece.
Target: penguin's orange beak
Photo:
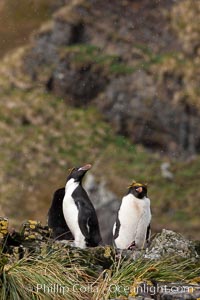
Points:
(85, 168)
(139, 189)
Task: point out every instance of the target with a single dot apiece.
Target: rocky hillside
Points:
(112, 84)
(126, 59)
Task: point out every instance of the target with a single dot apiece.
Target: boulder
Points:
(170, 243)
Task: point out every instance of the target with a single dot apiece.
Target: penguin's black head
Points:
(139, 190)
(78, 173)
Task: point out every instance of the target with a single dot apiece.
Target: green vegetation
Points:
(87, 54)
(92, 55)
(65, 274)
(26, 278)
(132, 273)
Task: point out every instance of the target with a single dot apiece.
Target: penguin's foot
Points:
(118, 254)
(132, 246)
(79, 244)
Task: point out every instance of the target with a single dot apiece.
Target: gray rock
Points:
(146, 117)
(170, 243)
(106, 204)
(197, 247)
(165, 171)
(66, 78)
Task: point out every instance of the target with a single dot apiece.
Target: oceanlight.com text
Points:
(113, 288)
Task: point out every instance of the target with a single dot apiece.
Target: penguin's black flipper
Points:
(84, 224)
(148, 234)
(88, 222)
(56, 220)
(116, 228)
(90, 229)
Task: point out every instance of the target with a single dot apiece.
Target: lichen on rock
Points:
(170, 243)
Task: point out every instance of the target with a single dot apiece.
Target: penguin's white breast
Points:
(132, 214)
(143, 223)
(70, 209)
(129, 213)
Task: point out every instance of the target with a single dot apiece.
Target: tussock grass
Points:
(49, 277)
(124, 276)
(65, 275)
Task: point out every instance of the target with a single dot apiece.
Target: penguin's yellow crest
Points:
(134, 183)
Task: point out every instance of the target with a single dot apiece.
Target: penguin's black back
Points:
(87, 218)
(56, 220)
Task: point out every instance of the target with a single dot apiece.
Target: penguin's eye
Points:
(137, 187)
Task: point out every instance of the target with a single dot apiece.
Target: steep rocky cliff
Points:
(125, 58)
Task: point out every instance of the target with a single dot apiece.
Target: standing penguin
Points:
(79, 212)
(132, 226)
(56, 220)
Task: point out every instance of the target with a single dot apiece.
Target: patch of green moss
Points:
(120, 68)
(83, 55)
(90, 54)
